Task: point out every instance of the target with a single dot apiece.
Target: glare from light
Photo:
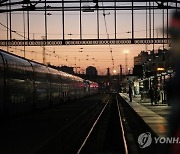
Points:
(126, 51)
(114, 71)
(160, 69)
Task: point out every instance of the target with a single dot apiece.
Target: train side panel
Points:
(25, 85)
(64, 86)
(93, 87)
(41, 85)
(72, 87)
(2, 81)
(80, 86)
(19, 84)
(55, 81)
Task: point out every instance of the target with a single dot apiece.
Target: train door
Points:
(2, 83)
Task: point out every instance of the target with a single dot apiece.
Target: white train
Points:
(26, 85)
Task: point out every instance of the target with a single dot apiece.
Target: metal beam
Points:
(38, 5)
(79, 5)
(83, 42)
(108, 8)
(83, 1)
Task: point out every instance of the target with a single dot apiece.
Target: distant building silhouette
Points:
(152, 63)
(91, 71)
(66, 69)
(141, 58)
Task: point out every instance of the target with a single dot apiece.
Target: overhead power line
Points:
(105, 22)
(14, 31)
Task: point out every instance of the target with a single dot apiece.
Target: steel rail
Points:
(92, 128)
(122, 127)
(47, 141)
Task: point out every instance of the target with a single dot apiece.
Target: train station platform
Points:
(155, 116)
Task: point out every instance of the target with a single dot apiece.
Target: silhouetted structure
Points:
(91, 71)
(67, 69)
(153, 62)
(141, 58)
(138, 70)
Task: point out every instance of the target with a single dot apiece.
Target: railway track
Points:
(54, 130)
(135, 125)
(99, 124)
(106, 135)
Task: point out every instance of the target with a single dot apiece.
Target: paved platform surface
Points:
(159, 108)
(154, 116)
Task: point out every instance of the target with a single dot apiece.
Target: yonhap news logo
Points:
(146, 139)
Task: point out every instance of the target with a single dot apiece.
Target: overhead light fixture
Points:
(160, 69)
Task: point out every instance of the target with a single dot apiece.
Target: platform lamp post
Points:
(126, 52)
(44, 50)
(75, 65)
(108, 79)
(32, 55)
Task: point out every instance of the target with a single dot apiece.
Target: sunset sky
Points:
(98, 56)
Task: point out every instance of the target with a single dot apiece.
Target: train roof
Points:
(52, 70)
(21, 60)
